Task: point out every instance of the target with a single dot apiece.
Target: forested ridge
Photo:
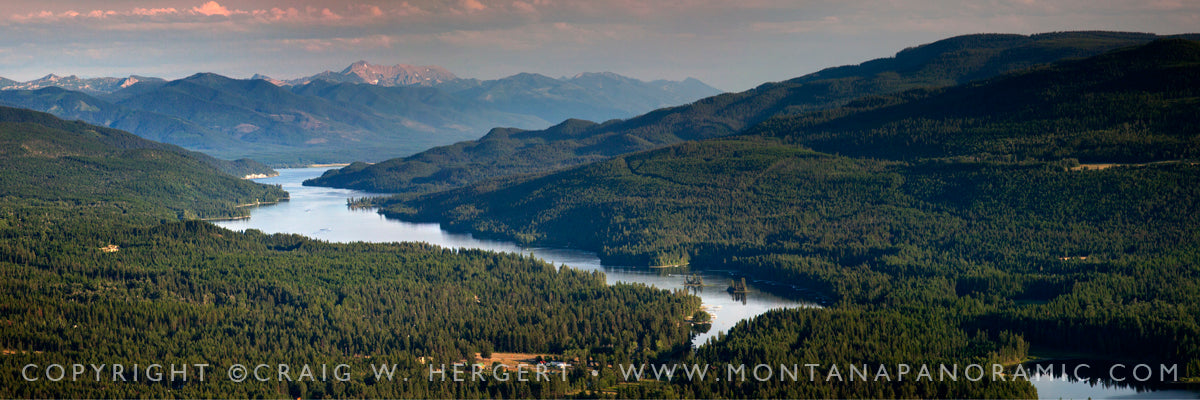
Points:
(114, 138)
(897, 208)
(80, 166)
(1129, 106)
(505, 152)
(104, 263)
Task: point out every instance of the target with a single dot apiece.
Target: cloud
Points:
(212, 8)
(150, 11)
(523, 7)
(214, 12)
(473, 5)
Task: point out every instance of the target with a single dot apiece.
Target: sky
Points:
(732, 45)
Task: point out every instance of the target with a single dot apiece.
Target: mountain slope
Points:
(941, 201)
(49, 159)
(949, 61)
(240, 167)
(1128, 106)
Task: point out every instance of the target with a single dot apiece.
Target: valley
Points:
(990, 201)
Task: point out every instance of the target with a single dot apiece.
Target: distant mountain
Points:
(88, 85)
(382, 75)
(591, 96)
(367, 112)
(594, 96)
(507, 151)
(273, 81)
(317, 122)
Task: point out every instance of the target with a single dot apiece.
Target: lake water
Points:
(1098, 379)
(321, 213)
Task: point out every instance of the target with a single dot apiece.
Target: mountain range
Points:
(75, 83)
(382, 75)
(504, 152)
(366, 112)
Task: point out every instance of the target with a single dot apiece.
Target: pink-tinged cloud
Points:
(328, 15)
(523, 7)
(212, 12)
(372, 10)
(151, 11)
(473, 5)
(404, 9)
(212, 8)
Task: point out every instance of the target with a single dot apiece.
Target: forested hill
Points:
(509, 151)
(978, 227)
(1128, 106)
(123, 140)
(82, 165)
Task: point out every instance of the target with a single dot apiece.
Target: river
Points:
(321, 213)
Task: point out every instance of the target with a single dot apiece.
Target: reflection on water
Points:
(321, 213)
(1098, 379)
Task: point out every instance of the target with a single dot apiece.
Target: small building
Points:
(112, 248)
